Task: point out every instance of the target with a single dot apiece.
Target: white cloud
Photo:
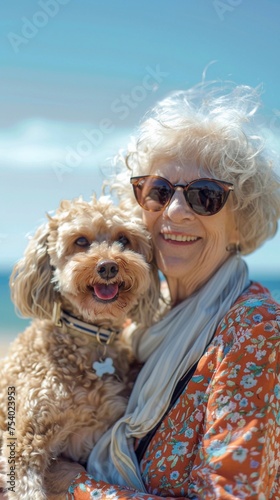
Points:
(39, 143)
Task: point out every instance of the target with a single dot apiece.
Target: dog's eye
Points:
(123, 240)
(82, 242)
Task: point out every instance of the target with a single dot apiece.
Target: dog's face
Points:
(99, 255)
(93, 257)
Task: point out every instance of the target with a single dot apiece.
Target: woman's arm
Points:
(84, 487)
(239, 452)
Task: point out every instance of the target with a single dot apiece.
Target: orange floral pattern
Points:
(221, 440)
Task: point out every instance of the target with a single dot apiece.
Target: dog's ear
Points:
(147, 310)
(142, 240)
(144, 246)
(31, 288)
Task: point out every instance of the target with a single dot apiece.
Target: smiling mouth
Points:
(103, 292)
(179, 237)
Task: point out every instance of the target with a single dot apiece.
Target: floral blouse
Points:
(221, 439)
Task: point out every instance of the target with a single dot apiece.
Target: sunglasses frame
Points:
(227, 188)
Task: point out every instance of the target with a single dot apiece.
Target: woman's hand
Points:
(59, 476)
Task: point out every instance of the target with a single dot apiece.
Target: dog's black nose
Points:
(107, 269)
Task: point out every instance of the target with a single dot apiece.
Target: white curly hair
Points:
(216, 126)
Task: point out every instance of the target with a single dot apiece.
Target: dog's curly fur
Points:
(62, 406)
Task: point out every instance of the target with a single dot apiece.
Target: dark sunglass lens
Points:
(206, 197)
(153, 194)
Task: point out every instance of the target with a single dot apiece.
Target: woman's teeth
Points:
(178, 237)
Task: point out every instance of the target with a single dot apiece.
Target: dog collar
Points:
(102, 335)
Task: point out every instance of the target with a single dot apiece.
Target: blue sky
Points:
(73, 70)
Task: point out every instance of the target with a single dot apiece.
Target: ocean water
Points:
(11, 324)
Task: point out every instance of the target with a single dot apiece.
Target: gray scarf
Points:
(169, 349)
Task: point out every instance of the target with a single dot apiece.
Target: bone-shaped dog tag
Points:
(103, 367)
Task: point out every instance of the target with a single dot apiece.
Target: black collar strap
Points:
(63, 318)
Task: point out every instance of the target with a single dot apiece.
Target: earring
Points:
(234, 248)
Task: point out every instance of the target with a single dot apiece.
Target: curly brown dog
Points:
(67, 378)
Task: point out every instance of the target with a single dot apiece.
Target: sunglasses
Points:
(204, 196)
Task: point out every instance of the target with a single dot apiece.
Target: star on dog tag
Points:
(103, 367)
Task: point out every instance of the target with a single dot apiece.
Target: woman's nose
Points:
(178, 209)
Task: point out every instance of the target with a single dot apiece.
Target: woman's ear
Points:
(31, 288)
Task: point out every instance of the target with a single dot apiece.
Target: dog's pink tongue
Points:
(106, 292)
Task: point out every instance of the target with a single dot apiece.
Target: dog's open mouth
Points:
(105, 292)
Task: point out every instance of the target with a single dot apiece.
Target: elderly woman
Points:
(203, 420)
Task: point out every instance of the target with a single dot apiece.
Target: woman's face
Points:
(189, 248)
